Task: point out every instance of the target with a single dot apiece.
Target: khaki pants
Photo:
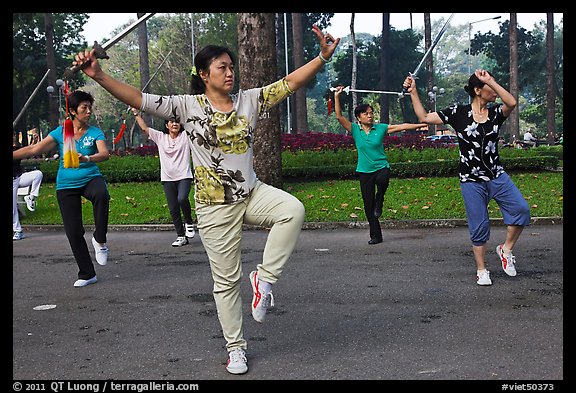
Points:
(220, 228)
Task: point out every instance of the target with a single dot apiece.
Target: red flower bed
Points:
(331, 141)
(314, 141)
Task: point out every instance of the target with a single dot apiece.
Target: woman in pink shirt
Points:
(175, 174)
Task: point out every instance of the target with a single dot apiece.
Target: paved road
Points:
(405, 309)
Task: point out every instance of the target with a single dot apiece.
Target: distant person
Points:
(529, 140)
(175, 173)
(32, 179)
(78, 176)
(373, 168)
(482, 176)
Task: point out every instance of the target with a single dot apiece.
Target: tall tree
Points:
(300, 112)
(550, 76)
(514, 121)
(53, 105)
(257, 67)
(429, 64)
(385, 69)
(144, 67)
(354, 61)
(29, 61)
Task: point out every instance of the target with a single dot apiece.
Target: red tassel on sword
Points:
(329, 106)
(120, 133)
(71, 159)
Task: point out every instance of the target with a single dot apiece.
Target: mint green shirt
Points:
(371, 154)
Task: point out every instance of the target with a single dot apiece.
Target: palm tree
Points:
(384, 68)
(299, 108)
(53, 110)
(514, 121)
(354, 61)
(144, 67)
(429, 64)
(550, 92)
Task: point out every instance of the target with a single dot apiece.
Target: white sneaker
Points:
(261, 301)
(483, 278)
(18, 235)
(82, 283)
(190, 232)
(237, 362)
(180, 241)
(30, 202)
(508, 261)
(100, 252)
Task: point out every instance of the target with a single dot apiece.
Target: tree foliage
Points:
(170, 35)
(29, 59)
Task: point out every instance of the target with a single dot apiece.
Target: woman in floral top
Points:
(228, 194)
(482, 177)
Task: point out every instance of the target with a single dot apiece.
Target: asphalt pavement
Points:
(407, 309)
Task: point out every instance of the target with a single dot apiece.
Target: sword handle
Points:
(99, 52)
(405, 90)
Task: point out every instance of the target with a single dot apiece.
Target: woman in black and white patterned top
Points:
(482, 177)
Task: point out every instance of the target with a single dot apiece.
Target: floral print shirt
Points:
(222, 143)
(477, 142)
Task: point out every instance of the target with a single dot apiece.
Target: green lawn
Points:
(340, 200)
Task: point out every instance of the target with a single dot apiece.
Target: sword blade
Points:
(110, 43)
(377, 91)
(438, 36)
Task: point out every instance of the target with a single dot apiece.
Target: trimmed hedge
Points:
(142, 169)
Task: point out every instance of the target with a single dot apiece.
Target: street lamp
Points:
(433, 95)
(50, 90)
(470, 44)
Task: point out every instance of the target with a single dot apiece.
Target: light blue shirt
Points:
(86, 145)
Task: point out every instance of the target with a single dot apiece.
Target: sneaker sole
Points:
(179, 245)
(87, 282)
(237, 371)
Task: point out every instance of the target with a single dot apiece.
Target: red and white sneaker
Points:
(508, 261)
(261, 301)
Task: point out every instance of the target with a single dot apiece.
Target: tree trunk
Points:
(257, 66)
(53, 104)
(144, 69)
(514, 120)
(354, 61)
(550, 91)
(384, 69)
(300, 113)
(429, 66)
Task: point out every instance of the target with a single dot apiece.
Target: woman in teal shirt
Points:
(83, 181)
(373, 168)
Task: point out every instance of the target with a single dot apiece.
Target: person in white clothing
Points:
(175, 174)
(23, 179)
(529, 139)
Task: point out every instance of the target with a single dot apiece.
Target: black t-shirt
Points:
(477, 142)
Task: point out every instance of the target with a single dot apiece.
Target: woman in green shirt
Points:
(373, 168)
